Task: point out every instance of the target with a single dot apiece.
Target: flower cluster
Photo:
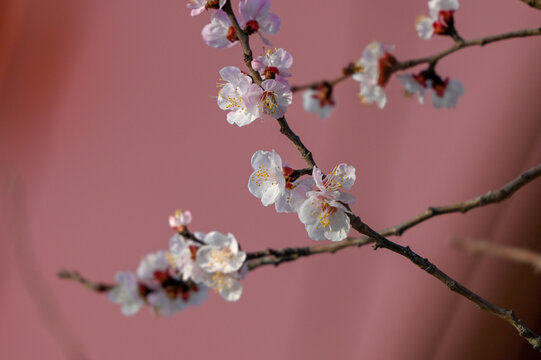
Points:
(247, 101)
(156, 284)
(170, 281)
(444, 92)
(323, 211)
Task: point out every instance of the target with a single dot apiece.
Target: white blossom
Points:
(324, 213)
(376, 62)
(126, 292)
(412, 86)
(267, 182)
(447, 96)
(220, 254)
(180, 219)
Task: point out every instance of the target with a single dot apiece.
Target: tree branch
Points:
(512, 253)
(533, 3)
(452, 284)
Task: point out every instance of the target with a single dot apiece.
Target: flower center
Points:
(251, 27)
(215, 4)
(271, 72)
(263, 175)
(268, 100)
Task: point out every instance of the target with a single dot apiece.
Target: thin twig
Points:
(512, 253)
(75, 276)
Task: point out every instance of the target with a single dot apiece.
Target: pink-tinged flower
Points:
(272, 98)
(440, 22)
(319, 100)
(126, 292)
(256, 18)
(274, 65)
(220, 32)
(376, 63)
(447, 93)
(220, 254)
(324, 213)
(180, 219)
(233, 96)
(198, 6)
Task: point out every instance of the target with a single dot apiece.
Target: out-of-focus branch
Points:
(75, 276)
(276, 257)
(512, 253)
(533, 3)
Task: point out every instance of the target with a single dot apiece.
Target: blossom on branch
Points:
(220, 32)
(180, 219)
(319, 100)
(198, 6)
(267, 182)
(274, 65)
(447, 93)
(233, 96)
(376, 63)
(255, 18)
(324, 213)
(275, 183)
(272, 98)
(126, 292)
(220, 253)
(440, 22)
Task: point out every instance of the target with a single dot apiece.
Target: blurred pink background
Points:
(108, 123)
